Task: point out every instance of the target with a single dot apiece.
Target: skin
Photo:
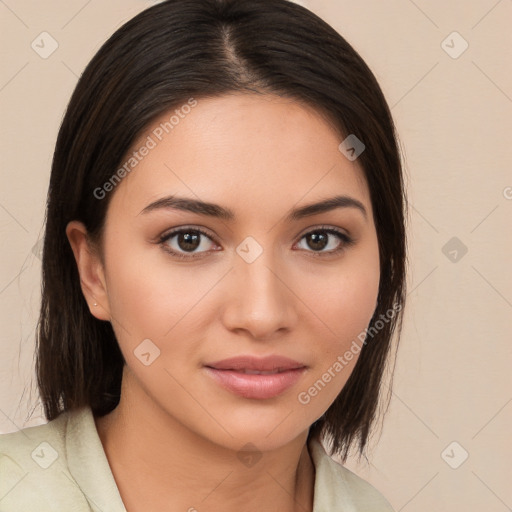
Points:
(172, 442)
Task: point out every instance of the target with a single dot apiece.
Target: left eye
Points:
(319, 240)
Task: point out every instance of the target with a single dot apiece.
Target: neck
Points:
(159, 464)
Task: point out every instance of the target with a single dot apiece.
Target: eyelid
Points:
(325, 227)
(173, 231)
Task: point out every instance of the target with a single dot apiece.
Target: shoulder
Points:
(338, 488)
(16, 443)
(34, 471)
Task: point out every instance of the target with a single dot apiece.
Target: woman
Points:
(223, 270)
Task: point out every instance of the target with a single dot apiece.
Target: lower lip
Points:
(255, 386)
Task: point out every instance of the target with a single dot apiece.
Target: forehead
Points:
(252, 153)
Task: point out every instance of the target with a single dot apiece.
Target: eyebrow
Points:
(217, 211)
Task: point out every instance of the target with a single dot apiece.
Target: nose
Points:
(259, 302)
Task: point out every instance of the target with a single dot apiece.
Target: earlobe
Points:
(90, 269)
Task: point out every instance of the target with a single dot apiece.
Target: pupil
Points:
(191, 242)
(319, 240)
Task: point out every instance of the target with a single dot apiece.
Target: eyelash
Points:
(344, 238)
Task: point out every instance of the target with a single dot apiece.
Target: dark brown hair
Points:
(167, 54)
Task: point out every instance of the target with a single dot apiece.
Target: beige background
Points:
(454, 116)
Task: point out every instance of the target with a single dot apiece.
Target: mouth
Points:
(256, 378)
(256, 372)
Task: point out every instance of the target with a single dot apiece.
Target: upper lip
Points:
(262, 364)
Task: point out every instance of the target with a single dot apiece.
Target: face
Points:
(189, 286)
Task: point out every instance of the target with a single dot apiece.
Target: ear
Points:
(90, 268)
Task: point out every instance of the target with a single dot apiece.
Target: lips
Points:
(257, 378)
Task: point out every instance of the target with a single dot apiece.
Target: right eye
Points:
(184, 242)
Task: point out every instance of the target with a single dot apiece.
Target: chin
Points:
(267, 430)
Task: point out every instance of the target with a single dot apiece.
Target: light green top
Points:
(61, 466)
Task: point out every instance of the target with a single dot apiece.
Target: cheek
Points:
(342, 305)
(345, 299)
(134, 293)
(352, 303)
(147, 293)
